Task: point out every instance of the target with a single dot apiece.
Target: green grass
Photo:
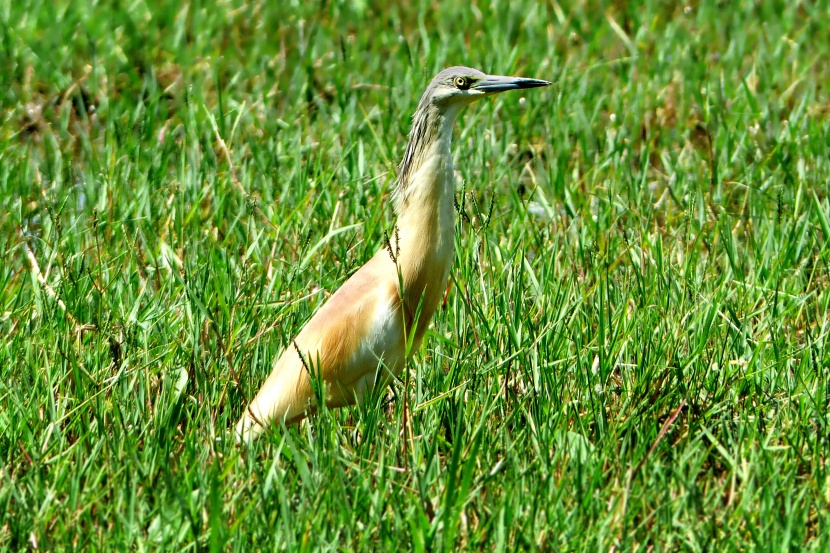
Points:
(634, 353)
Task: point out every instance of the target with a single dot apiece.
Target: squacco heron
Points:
(368, 327)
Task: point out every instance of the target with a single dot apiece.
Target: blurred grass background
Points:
(634, 351)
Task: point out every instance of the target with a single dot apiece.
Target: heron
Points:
(364, 333)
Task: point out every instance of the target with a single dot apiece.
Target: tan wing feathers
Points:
(333, 340)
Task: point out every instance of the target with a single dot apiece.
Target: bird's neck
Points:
(424, 240)
(425, 202)
(426, 172)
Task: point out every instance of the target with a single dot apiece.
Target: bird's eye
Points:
(462, 83)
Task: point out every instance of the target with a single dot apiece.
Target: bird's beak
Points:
(496, 83)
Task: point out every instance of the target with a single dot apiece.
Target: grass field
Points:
(634, 352)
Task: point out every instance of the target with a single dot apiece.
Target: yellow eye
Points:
(461, 83)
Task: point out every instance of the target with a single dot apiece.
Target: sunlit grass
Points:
(634, 350)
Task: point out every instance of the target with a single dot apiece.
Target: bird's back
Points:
(358, 330)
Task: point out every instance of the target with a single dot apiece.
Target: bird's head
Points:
(458, 86)
(448, 92)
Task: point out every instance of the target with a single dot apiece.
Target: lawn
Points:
(633, 354)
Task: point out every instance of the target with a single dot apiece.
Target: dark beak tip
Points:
(502, 84)
(533, 83)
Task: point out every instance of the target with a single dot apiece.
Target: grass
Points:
(634, 353)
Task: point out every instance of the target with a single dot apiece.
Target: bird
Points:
(364, 333)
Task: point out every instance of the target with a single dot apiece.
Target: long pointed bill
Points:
(497, 83)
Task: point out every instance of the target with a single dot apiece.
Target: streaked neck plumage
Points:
(424, 233)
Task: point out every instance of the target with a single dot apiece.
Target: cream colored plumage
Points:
(361, 332)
